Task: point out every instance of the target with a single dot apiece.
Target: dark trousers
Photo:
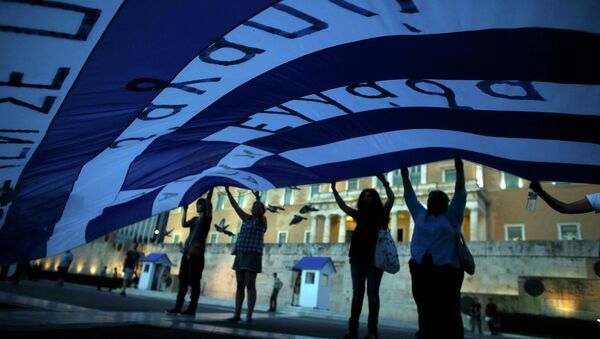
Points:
(273, 301)
(190, 273)
(362, 272)
(436, 290)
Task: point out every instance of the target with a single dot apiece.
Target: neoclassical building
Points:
(495, 208)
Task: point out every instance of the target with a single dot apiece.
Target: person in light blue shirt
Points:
(434, 265)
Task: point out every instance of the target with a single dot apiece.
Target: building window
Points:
(176, 238)
(282, 237)
(324, 280)
(514, 232)
(287, 196)
(264, 196)
(241, 198)
(397, 178)
(306, 237)
(569, 231)
(213, 238)
(314, 190)
(310, 278)
(449, 175)
(510, 181)
(415, 174)
(220, 201)
(146, 267)
(352, 184)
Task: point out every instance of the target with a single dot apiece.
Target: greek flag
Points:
(112, 111)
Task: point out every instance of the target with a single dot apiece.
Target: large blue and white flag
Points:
(115, 110)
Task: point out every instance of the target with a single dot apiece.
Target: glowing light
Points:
(563, 306)
(93, 269)
(79, 267)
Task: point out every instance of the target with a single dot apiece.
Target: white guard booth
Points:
(154, 266)
(315, 281)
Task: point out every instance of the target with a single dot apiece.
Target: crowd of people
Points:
(435, 267)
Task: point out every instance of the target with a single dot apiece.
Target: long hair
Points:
(372, 213)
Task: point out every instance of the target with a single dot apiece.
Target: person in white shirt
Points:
(435, 269)
(589, 203)
(63, 267)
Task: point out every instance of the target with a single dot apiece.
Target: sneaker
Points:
(173, 311)
(188, 313)
(246, 321)
(234, 319)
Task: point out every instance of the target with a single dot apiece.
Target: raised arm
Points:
(184, 216)
(456, 209)
(410, 197)
(347, 209)
(388, 191)
(576, 207)
(208, 207)
(243, 215)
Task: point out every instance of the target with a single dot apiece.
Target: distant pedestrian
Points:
(248, 255)
(63, 267)
(277, 285)
(475, 316)
(131, 260)
(491, 317)
(101, 279)
(192, 260)
(435, 269)
(21, 268)
(371, 216)
(114, 282)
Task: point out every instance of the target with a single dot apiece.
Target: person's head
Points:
(200, 206)
(135, 246)
(369, 205)
(68, 251)
(274, 275)
(258, 209)
(437, 202)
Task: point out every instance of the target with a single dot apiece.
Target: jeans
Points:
(436, 290)
(362, 272)
(190, 274)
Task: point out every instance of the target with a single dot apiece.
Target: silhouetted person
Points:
(475, 315)
(248, 255)
(371, 215)
(491, 317)
(19, 270)
(277, 285)
(101, 278)
(434, 265)
(114, 283)
(589, 203)
(131, 260)
(192, 260)
(63, 267)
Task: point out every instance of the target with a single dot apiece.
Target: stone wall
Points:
(500, 264)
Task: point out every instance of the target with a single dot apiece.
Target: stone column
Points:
(313, 229)
(342, 231)
(394, 227)
(327, 229)
(474, 223)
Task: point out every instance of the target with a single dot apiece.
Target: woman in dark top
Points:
(248, 255)
(371, 215)
(192, 260)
